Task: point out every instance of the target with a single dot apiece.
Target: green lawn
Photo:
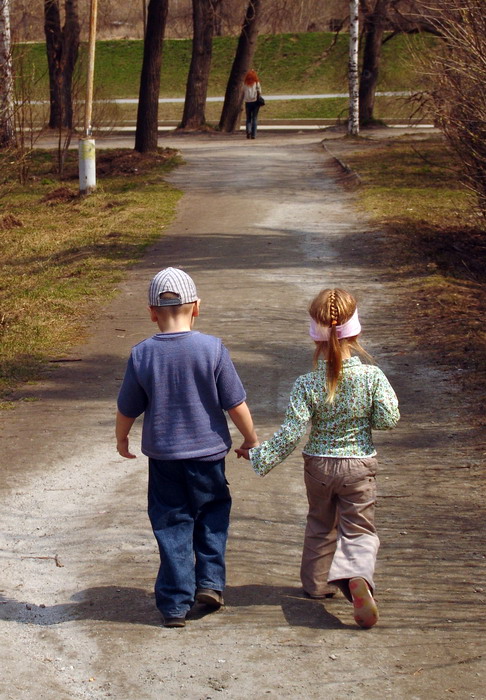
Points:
(287, 63)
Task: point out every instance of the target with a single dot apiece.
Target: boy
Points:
(183, 381)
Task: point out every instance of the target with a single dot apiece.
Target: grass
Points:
(63, 254)
(286, 63)
(434, 241)
(333, 109)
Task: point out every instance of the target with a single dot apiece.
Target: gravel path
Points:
(262, 226)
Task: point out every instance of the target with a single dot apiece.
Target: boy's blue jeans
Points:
(189, 505)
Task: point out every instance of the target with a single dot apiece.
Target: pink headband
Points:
(349, 329)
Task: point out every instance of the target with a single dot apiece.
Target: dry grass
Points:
(63, 254)
(436, 241)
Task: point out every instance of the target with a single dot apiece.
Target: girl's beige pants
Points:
(340, 536)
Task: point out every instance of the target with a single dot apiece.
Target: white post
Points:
(87, 148)
(87, 165)
(353, 73)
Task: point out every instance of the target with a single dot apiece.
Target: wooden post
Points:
(87, 148)
(91, 64)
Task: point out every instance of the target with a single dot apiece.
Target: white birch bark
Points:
(6, 78)
(353, 72)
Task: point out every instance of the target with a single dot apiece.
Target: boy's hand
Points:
(122, 448)
(243, 450)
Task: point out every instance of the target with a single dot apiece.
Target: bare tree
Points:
(245, 51)
(301, 15)
(218, 17)
(7, 133)
(458, 77)
(193, 116)
(375, 20)
(62, 44)
(148, 101)
(382, 20)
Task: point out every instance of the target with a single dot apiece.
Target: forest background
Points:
(121, 20)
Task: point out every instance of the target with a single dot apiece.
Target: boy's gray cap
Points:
(172, 280)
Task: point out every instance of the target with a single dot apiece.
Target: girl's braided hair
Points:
(331, 308)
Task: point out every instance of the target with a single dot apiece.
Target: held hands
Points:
(122, 449)
(244, 449)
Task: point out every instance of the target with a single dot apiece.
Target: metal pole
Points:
(353, 74)
(87, 148)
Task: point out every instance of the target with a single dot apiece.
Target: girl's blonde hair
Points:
(331, 308)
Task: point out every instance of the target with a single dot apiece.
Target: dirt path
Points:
(262, 226)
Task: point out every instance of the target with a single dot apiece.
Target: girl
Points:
(344, 400)
(251, 91)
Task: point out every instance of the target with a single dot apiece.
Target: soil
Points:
(120, 162)
(262, 226)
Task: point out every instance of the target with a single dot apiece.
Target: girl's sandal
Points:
(365, 609)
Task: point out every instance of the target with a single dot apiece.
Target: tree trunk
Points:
(374, 29)
(353, 77)
(71, 34)
(148, 102)
(193, 116)
(7, 132)
(218, 17)
(53, 32)
(62, 45)
(245, 51)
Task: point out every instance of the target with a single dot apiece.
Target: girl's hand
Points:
(243, 452)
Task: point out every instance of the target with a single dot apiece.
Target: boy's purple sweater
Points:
(183, 383)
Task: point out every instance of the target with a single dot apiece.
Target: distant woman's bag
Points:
(260, 100)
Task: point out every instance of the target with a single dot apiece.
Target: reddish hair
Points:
(251, 78)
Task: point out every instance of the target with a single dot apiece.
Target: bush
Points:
(458, 96)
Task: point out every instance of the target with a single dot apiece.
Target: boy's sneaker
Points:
(209, 597)
(365, 608)
(174, 622)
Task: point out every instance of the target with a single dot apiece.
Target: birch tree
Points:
(7, 133)
(353, 73)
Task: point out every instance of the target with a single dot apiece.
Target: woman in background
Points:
(252, 91)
